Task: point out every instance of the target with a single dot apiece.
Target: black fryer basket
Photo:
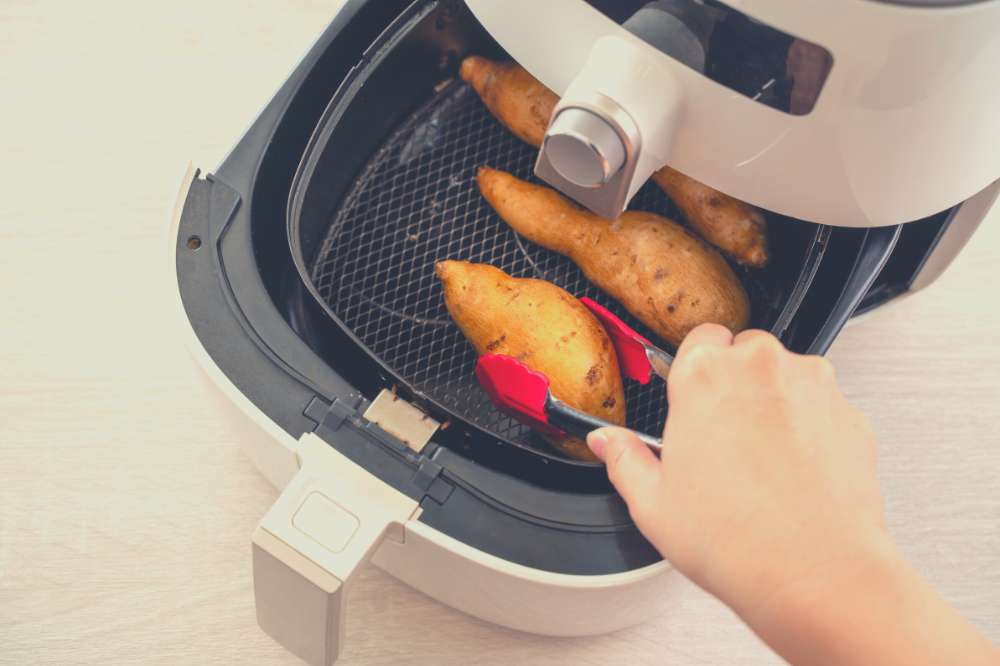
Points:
(415, 202)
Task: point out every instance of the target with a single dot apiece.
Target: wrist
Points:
(838, 608)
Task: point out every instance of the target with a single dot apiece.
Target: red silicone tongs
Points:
(638, 357)
(524, 394)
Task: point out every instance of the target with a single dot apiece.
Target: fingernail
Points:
(597, 441)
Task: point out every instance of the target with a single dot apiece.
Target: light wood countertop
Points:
(126, 507)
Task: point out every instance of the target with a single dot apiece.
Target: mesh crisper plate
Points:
(416, 203)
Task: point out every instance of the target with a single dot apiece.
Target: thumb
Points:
(632, 468)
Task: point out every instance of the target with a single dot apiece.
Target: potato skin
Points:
(524, 105)
(516, 98)
(733, 226)
(667, 278)
(543, 326)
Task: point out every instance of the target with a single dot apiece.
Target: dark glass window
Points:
(756, 60)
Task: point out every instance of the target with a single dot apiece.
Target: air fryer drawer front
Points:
(527, 523)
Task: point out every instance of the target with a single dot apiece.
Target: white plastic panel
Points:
(516, 596)
(906, 125)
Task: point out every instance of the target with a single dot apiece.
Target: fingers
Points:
(633, 469)
(755, 336)
(767, 351)
(763, 354)
(696, 351)
(705, 334)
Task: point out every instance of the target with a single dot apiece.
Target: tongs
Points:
(639, 358)
(524, 394)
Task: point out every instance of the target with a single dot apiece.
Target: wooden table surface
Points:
(126, 508)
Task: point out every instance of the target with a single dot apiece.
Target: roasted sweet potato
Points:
(733, 226)
(666, 277)
(546, 328)
(513, 96)
(524, 105)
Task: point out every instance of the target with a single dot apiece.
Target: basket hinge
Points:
(392, 421)
(402, 420)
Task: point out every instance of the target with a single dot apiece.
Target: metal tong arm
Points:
(580, 424)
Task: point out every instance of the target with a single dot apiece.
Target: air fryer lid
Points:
(365, 241)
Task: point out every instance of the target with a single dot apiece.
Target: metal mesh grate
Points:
(416, 203)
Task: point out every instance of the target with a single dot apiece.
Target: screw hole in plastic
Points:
(193, 242)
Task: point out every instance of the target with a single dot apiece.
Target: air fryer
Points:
(304, 266)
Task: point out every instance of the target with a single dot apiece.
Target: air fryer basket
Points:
(366, 237)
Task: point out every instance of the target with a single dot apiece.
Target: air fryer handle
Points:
(326, 525)
(876, 248)
(580, 424)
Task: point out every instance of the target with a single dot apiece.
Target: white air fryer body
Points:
(904, 127)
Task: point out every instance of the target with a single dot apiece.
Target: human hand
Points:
(766, 482)
(766, 496)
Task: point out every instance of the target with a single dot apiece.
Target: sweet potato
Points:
(524, 105)
(733, 226)
(513, 96)
(546, 328)
(666, 277)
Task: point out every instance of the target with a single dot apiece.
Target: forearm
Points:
(883, 613)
